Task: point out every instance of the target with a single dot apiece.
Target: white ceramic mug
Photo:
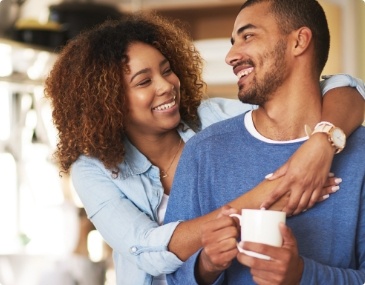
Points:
(261, 226)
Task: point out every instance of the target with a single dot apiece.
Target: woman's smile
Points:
(166, 106)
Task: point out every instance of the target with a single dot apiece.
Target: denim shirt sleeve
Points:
(216, 109)
(341, 80)
(131, 231)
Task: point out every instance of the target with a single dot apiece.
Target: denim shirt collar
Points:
(136, 162)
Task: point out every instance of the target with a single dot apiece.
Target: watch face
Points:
(338, 137)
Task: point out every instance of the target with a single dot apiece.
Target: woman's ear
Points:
(302, 39)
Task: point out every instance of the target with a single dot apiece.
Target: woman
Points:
(126, 96)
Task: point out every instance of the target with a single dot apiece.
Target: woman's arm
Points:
(186, 238)
(344, 107)
(120, 211)
(306, 171)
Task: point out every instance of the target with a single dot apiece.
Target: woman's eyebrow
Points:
(145, 70)
(163, 62)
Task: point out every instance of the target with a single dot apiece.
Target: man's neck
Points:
(291, 107)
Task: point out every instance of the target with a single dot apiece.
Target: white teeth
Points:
(244, 72)
(166, 106)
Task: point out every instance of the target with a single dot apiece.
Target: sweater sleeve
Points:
(184, 205)
(317, 273)
(184, 274)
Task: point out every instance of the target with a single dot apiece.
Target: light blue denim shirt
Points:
(124, 208)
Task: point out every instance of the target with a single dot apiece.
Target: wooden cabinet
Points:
(206, 21)
(204, 18)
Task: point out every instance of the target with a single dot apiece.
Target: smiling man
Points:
(279, 49)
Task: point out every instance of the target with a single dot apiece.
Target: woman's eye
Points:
(144, 82)
(167, 71)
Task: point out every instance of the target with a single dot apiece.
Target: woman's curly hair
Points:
(87, 92)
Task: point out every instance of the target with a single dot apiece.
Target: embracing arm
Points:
(344, 107)
(306, 171)
(186, 238)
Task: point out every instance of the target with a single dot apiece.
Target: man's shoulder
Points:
(357, 136)
(354, 151)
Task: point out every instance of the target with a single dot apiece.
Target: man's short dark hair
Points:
(294, 14)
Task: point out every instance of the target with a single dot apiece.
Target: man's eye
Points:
(246, 37)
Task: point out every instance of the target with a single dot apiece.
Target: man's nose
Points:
(232, 56)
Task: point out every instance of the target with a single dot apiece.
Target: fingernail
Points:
(269, 175)
(331, 174)
(325, 196)
(335, 188)
(338, 180)
(262, 208)
(304, 210)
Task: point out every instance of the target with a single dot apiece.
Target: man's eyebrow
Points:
(242, 29)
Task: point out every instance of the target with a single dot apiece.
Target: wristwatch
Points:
(336, 136)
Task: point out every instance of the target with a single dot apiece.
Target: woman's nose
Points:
(164, 87)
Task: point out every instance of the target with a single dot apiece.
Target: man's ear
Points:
(302, 39)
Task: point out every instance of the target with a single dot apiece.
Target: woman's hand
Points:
(218, 238)
(305, 176)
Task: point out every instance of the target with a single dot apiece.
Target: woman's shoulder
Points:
(87, 164)
(217, 109)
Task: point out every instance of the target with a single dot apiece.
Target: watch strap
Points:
(325, 127)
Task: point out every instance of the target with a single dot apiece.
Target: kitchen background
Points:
(41, 225)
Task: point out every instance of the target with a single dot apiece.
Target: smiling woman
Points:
(152, 94)
(153, 102)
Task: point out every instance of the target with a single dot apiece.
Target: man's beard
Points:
(261, 90)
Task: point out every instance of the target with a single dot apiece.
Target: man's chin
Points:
(243, 97)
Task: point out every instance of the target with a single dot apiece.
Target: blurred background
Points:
(44, 232)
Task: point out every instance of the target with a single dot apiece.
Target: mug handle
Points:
(250, 253)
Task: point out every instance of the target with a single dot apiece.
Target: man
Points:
(279, 48)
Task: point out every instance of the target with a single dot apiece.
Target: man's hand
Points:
(285, 266)
(304, 175)
(219, 246)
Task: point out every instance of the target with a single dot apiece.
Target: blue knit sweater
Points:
(225, 161)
